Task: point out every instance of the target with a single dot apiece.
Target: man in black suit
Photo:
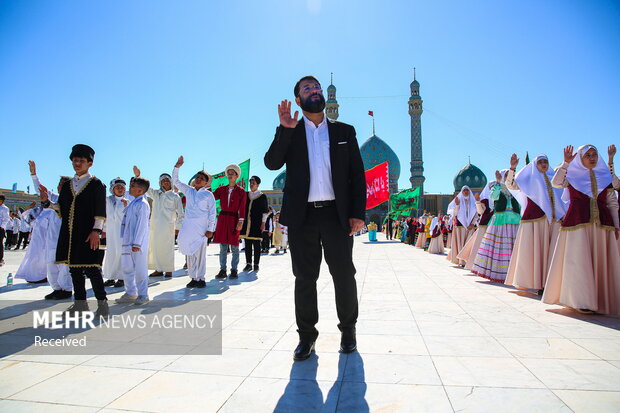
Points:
(323, 206)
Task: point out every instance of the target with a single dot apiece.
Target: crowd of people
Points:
(552, 232)
(138, 229)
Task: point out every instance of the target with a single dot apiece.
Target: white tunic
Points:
(167, 215)
(134, 229)
(34, 264)
(199, 216)
(112, 227)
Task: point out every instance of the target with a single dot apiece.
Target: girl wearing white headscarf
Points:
(540, 226)
(448, 230)
(436, 244)
(463, 209)
(493, 256)
(585, 268)
(421, 231)
(484, 207)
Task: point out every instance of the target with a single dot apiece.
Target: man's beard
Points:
(312, 106)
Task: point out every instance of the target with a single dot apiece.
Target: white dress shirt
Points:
(317, 139)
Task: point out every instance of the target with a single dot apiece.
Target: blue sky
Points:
(145, 81)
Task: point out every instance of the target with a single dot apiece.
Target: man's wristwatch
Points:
(98, 231)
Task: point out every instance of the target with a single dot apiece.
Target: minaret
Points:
(331, 105)
(415, 111)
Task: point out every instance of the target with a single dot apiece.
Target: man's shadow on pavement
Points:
(303, 394)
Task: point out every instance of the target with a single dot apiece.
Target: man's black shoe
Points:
(304, 350)
(221, 275)
(201, 284)
(109, 283)
(191, 284)
(348, 343)
(247, 268)
(168, 274)
(256, 268)
(233, 274)
(119, 283)
(52, 295)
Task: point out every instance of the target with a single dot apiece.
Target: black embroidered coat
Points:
(78, 212)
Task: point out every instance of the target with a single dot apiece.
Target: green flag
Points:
(221, 179)
(404, 201)
(527, 157)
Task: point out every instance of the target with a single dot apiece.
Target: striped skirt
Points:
(493, 257)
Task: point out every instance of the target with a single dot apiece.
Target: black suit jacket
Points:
(348, 178)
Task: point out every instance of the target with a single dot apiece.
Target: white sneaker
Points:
(142, 299)
(126, 298)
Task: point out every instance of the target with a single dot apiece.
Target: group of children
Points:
(555, 232)
(126, 234)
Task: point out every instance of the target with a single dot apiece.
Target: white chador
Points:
(115, 208)
(34, 265)
(134, 232)
(49, 222)
(167, 216)
(199, 219)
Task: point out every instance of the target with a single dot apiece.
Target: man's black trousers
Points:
(322, 232)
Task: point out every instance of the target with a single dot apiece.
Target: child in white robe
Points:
(198, 225)
(115, 208)
(135, 244)
(58, 275)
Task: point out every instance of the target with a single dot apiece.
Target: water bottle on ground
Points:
(9, 280)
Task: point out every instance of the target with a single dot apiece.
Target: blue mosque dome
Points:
(471, 176)
(374, 152)
(278, 183)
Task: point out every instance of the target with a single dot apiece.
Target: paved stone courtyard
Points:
(431, 338)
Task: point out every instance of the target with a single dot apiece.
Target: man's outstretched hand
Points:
(180, 162)
(284, 112)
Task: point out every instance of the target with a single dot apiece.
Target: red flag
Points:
(377, 185)
(371, 113)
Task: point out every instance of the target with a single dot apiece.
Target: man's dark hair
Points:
(2, 198)
(309, 77)
(141, 182)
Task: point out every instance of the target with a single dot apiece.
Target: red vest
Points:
(532, 211)
(586, 210)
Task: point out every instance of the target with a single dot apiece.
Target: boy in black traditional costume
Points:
(81, 204)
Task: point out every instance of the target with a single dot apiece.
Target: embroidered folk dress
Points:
(469, 251)
(585, 268)
(493, 256)
(537, 235)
